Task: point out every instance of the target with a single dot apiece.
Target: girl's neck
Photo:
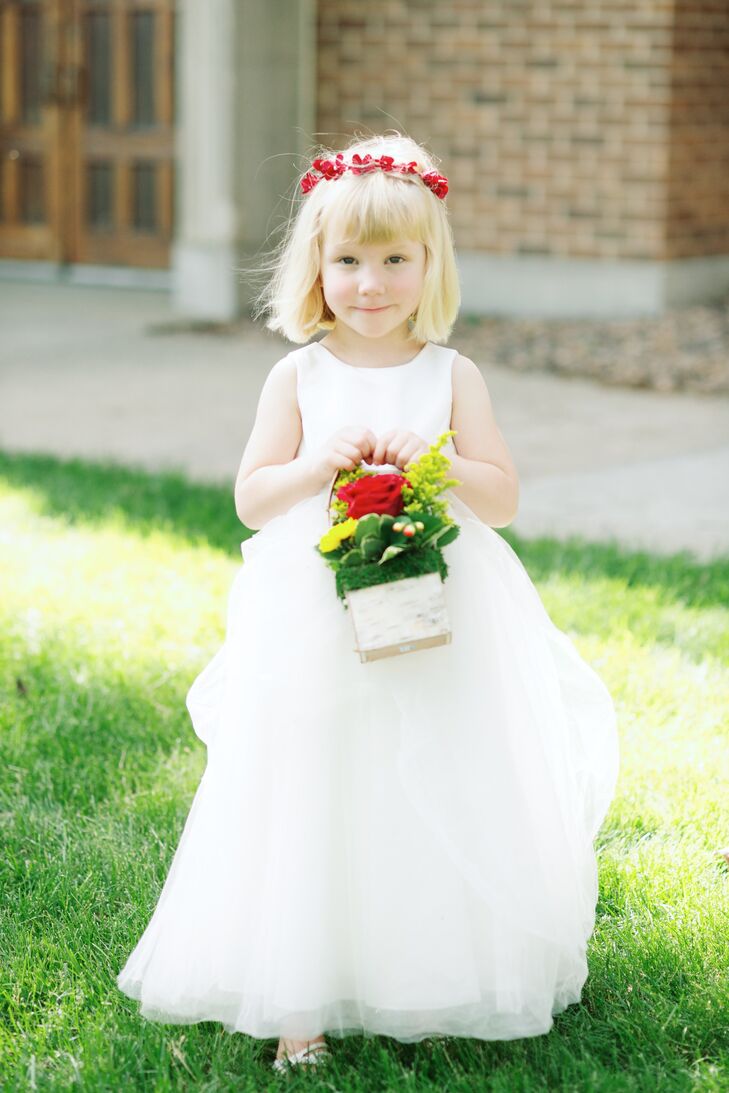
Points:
(370, 352)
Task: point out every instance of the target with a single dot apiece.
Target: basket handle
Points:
(331, 492)
(329, 497)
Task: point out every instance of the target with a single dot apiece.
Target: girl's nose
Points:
(370, 283)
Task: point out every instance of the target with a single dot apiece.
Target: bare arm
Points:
(270, 478)
(483, 463)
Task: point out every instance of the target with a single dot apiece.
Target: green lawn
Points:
(114, 593)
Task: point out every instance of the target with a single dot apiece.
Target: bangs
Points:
(376, 208)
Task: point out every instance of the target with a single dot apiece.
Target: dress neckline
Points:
(383, 368)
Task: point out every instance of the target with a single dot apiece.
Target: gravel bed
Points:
(685, 349)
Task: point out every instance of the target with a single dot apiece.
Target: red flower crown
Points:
(329, 169)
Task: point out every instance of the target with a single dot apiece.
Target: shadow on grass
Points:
(79, 491)
(83, 491)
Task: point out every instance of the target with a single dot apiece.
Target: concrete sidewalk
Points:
(113, 373)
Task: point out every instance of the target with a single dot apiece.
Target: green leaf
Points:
(372, 547)
(367, 525)
(391, 552)
(447, 535)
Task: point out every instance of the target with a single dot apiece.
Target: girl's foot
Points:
(300, 1052)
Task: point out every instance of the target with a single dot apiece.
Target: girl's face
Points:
(373, 288)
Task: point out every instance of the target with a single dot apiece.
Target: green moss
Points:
(408, 564)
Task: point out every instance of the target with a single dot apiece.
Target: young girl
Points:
(402, 846)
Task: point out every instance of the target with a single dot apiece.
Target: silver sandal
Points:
(309, 1055)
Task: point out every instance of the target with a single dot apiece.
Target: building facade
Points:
(586, 141)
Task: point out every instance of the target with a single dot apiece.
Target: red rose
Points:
(381, 493)
(308, 182)
(360, 166)
(437, 183)
(328, 168)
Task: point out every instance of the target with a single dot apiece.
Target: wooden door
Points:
(87, 130)
(121, 130)
(31, 64)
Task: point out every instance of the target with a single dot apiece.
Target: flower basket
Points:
(390, 568)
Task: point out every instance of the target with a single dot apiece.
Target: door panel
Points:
(30, 129)
(87, 130)
(123, 132)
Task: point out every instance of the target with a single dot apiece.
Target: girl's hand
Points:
(343, 451)
(399, 447)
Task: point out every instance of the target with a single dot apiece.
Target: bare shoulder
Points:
(478, 435)
(466, 371)
(468, 382)
(283, 374)
(279, 386)
(465, 364)
(277, 430)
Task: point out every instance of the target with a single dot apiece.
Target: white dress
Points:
(402, 846)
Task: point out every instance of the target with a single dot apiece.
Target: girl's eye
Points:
(348, 259)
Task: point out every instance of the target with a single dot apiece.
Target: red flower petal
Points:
(380, 493)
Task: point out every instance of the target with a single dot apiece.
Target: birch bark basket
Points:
(398, 616)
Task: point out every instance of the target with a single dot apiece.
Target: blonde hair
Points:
(374, 207)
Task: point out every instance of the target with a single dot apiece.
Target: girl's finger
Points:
(351, 451)
(380, 450)
(413, 451)
(401, 447)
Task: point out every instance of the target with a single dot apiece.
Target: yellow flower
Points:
(331, 539)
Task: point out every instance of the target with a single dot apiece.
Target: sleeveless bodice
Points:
(332, 394)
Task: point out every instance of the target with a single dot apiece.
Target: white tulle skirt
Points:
(402, 847)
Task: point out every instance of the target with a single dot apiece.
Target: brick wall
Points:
(578, 128)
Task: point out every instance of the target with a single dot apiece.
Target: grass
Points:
(114, 589)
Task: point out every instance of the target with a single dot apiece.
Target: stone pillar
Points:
(204, 249)
(275, 120)
(245, 94)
